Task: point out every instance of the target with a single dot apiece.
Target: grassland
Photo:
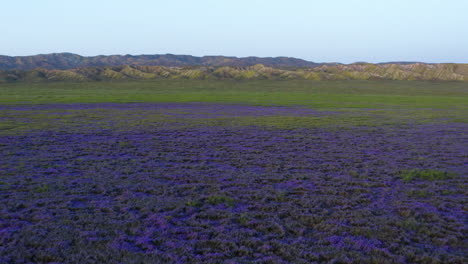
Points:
(317, 94)
(173, 171)
(359, 103)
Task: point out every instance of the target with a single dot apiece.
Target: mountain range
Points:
(63, 61)
(426, 72)
(72, 67)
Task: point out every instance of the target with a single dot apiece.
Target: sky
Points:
(321, 31)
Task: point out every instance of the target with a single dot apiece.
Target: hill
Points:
(63, 61)
(361, 71)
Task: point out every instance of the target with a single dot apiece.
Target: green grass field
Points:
(359, 103)
(317, 94)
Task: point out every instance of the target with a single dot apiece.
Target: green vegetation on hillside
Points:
(63, 61)
(427, 72)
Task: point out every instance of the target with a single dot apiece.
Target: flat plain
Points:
(193, 171)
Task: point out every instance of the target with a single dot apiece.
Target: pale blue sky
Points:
(322, 31)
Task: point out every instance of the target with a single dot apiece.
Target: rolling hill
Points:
(76, 68)
(418, 71)
(63, 61)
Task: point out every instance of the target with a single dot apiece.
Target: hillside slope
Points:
(63, 61)
(418, 71)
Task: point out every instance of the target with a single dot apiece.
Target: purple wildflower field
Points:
(169, 183)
